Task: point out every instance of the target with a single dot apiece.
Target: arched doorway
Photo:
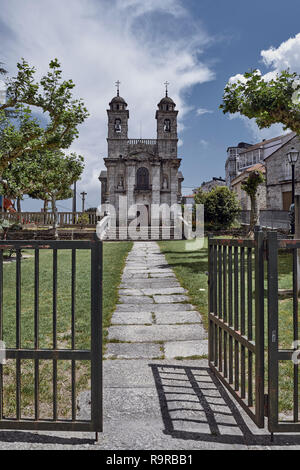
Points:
(142, 178)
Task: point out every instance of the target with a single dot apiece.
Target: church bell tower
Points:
(166, 117)
(118, 116)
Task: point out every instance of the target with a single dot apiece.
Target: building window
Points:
(142, 178)
(167, 125)
(287, 170)
(118, 127)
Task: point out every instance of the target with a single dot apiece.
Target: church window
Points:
(165, 184)
(142, 178)
(167, 125)
(118, 127)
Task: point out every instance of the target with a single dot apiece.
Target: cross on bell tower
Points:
(166, 85)
(118, 83)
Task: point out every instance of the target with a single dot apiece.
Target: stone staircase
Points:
(144, 233)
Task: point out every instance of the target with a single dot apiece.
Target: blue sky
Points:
(197, 45)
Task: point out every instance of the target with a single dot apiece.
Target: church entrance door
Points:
(143, 212)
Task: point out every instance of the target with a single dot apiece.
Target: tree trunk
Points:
(45, 211)
(254, 216)
(19, 205)
(54, 210)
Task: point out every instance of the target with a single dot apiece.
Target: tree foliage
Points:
(50, 96)
(267, 101)
(53, 173)
(221, 206)
(250, 185)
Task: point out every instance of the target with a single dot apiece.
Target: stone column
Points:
(130, 183)
(156, 185)
(111, 199)
(174, 182)
(174, 185)
(111, 169)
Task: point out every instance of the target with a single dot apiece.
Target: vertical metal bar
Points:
(230, 292)
(250, 326)
(272, 329)
(96, 326)
(18, 299)
(36, 333)
(73, 287)
(18, 334)
(215, 278)
(225, 308)
(225, 283)
(220, 306)
(295, 333)
(216, 305)
(243, 313)
(236, 317)
(259, 327)
(54, 381)
(211, 308)
(1, 332)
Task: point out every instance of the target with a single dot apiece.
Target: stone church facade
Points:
(144, 170)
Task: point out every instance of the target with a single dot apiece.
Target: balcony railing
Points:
(47, 218)
(142, 142)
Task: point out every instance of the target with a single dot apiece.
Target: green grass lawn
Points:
(190, 268)
(113, 263)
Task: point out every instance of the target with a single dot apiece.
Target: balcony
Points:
(142, 142)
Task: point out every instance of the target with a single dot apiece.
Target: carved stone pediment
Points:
(142, 154)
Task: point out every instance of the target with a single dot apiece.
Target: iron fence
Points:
(273, 219)
(18, 350)
(283, 339)
(64, 219)
(236, 320)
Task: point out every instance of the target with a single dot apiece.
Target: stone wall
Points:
(277, 182)
(48, 235)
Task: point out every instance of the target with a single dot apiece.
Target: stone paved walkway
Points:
(152, 403)
(154, 319)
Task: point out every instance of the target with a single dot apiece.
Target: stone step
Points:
(146, 233)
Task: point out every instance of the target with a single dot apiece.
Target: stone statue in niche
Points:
(121, 183)
(165, 183)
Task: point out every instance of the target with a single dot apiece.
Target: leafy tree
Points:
(221, 206)
(52, 175)
(18, 178)
(250, 186)
(23, 133)
(268, 102)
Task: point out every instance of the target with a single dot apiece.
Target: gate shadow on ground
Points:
(195, 406)
(33, 438)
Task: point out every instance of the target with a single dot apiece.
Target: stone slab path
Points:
(151, 399)
(153, 319)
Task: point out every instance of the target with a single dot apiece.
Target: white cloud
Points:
(201, 111)
(286, 56)
(203, 142)
(241, 78)
(100, 41)
(236, 78)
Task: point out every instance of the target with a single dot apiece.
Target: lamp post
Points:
(292, 157)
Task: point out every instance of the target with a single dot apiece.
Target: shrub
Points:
(221, 207)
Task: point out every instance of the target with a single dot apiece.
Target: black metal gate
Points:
(283, 345)
(236, 320)
(240, 344)
(19, 352)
